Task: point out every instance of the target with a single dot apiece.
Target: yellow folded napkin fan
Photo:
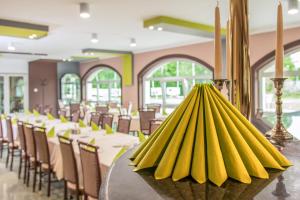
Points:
(63, 119)
(36, 113)
(51, 133)
(207, 138)
(81, 124)
(50, 117)
(95, 127)
(108, 129)
(142, 137)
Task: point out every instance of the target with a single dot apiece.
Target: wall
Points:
(260, 45)
(8, 65)
(63, 68)
(38, 71)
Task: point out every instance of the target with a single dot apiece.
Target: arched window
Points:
(70, 88)
(168, 81)
(103, 85)
(291, 92)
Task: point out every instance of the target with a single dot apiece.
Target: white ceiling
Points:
(116, 21)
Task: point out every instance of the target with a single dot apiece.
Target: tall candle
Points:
(279, 43)
(218, 45)
(228, 53)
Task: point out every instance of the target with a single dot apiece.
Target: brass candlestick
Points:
(219, 84)
(279, 133)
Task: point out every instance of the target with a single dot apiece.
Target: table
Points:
(109, 145)
(142, 185)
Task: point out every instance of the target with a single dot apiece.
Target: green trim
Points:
(182, 23)
(127, 69)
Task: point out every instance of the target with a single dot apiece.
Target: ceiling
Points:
(116, 21)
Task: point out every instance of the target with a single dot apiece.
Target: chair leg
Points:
(28, 172)
(1, 149)
(7, 158)
(25, 168)
(20, 164)
(12, 159)
(40, 177)
(34, 176)
(65, 190)
(49, 182)
(85, 197)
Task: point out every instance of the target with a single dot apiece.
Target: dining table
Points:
(109, 144)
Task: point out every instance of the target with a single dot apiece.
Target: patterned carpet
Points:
(11, 188)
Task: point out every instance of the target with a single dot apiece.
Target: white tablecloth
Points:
(109, 145)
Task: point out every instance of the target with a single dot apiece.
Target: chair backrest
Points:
(154, 106)
(107, 119)
(129, 108)
(154, 124)
(47, 109)
(60, 104)
(62, 112)
(30, 141)
(102, 109)
(95, 117)
(22, 135)
(76, 116)
(90, 169)
(124, 124)
(74, 107)
(38, 107)
(113, 105)
(10, 134)
(42, 147)
(69, 162)
(145, 116)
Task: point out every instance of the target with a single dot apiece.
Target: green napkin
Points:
(121, 152)
(50, 117)
(51, 133)
(92, 141)
(81, 124)
(142, 137)
(95, 127)
(27, 112)
(63, 119)
(14, 121)
(36, 113)
(43, 125)
(134, 113)
(3, 116)
(164, 112)
(108, 129)
(67, 134)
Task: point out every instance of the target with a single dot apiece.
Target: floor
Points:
(11, 188)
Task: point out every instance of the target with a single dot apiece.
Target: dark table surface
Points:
(122, 183)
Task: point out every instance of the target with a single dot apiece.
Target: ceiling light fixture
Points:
(293, 7)
(160, 28)
(11, 47)
(84, 10)
(32, 36)
(132, 42)
(151, 27)
(94, 38)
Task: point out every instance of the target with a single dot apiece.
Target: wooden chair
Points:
(154, 106)
(12, 144)
(75, 116)
(47, 109)
(106, 119)
(71, 181)
(95, 117)
(62, 112)
(90, 169)
(38, 107)
(154, 124)
(23, 150)
(43, 160)
(102, 109)
(124, 124)
(146, 115)
(113, 105)
(74, 107)
(3, 141)
(30, 153)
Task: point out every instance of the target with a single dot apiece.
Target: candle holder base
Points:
(219, 83)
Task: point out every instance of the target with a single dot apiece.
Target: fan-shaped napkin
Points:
(207, 138)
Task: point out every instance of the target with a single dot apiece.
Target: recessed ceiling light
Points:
(94, 38)
(69, 59)
(132, 42)
(151, 27)
(160, 28)
(11, 47)
(293, 7)
(64, 60)
(84, 10)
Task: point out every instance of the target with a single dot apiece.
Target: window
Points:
(103, 85)
(291, 93)
(168, 82)
(70, 88)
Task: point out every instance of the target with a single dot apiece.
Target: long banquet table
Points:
(109, 144)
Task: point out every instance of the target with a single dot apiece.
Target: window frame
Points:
(61, 85)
